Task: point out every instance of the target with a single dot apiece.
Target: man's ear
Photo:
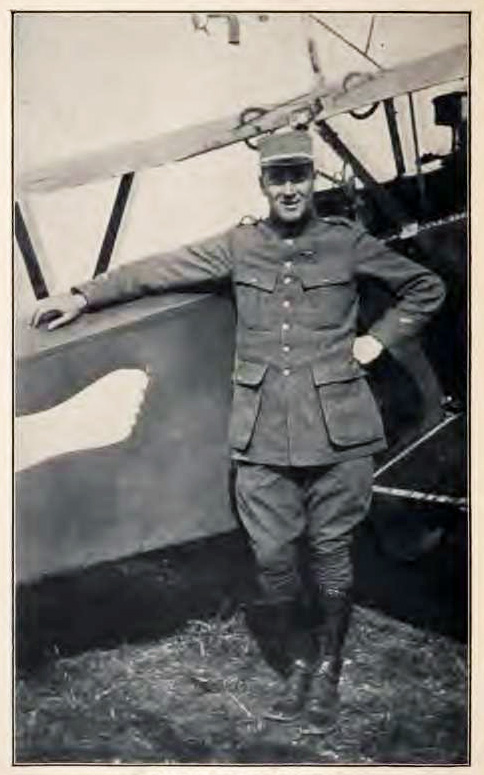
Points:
(261, 183)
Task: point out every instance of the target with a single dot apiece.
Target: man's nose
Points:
(288, 188)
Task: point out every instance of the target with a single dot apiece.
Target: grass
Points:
(195, 690)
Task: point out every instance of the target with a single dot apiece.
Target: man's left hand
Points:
(366, 349)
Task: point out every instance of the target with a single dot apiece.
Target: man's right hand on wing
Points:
(57, 311)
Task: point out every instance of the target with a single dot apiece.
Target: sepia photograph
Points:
(241, 373)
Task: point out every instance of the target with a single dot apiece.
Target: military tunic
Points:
(300, 398)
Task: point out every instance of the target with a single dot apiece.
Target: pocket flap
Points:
(258, 278)
(326, 373)
(249, 373)
(318, 276)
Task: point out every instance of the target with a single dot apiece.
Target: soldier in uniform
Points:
(304, 424)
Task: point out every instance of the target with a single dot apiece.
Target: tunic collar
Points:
(282, 232)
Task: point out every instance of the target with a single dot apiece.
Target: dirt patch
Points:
(198, 695)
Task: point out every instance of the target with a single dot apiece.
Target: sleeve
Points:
(210, 260)
(418, 292)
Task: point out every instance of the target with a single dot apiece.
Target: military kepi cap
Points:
(294, 147)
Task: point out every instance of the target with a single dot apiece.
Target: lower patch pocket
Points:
(245, 402)
(245, 408)
(350, 411)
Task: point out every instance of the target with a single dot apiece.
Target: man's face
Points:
(289, 190)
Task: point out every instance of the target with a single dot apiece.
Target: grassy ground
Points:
(195, 691)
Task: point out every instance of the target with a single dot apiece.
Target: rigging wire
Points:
(345, 40)
(370, 33)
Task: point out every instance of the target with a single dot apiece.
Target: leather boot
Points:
(336, 608)
(268, 626)
(293, 696)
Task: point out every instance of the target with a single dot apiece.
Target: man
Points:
(304, 424)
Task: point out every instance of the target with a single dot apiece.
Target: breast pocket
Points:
(254, 293)
(349, 408)
(328, 297)
(248, 378)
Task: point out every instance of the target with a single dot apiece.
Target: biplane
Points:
(84, 496)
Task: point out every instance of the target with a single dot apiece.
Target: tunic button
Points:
(285, 348)
(288, 264)
(285, 326)
(287, 280)
(289, 241)
(253, 279)
(286, 303)
(286, 372)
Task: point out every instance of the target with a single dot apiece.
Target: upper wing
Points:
(448, 65)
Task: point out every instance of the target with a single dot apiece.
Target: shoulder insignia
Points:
(248, 220)
(338, 220)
